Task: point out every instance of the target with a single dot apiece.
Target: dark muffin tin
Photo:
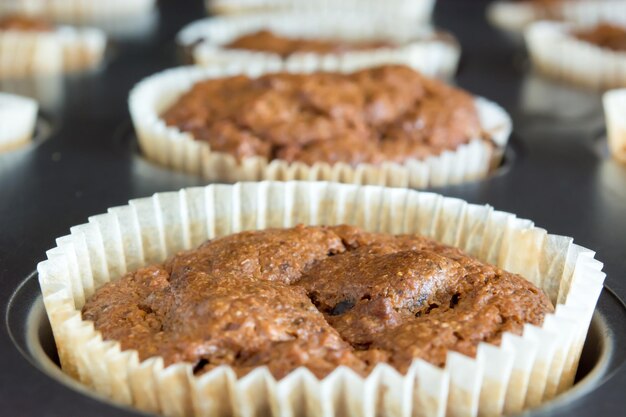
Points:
(85, 159)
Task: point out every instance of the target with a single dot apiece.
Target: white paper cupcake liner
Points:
(18, 116)
(515, 16)
(522, 372)
(416, 10)
(434, 54)
(83, 48)
(178, 150)
(66, 49)
(47, 90)
(132, 27)
(78, 11)
(27, 54)
(541, 96)
(615, 113)
(555, 52)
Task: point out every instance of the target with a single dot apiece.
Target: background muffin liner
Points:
(178, 150)
(615, 113)
(557, 53)
(433, 53)
(416, 10)
(18, 116)
(47, 90)
(78, 11)
(66, 49)
(515, 16)
(26, 54)
(523, 372)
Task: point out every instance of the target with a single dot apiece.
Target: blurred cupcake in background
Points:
(32, 46)
(79, 11)
(615, 113)
(123, 18)
(18, 116)
(592, 56)
(335, 39)
(416, 10)
(516, 15)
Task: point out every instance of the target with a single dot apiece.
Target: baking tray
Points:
(85, 159)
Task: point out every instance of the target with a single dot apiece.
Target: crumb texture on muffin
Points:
(383, 114)
(317, 297)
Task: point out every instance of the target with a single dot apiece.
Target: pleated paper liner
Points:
(416, 10)
(555, 52)
(522, 372)
(433, 53)
(18, 116)
(28, 54)
(67, 49)
(515, 16)
(171, 147)
(78, 11)
(615, 113)
(83, 49)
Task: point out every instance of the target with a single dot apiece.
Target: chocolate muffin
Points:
(604, 35)
(268, 41)
(318, 297)
(375, 115)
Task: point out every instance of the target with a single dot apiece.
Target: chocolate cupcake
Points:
(415, 10)
(590, 56)
(381, 125)
(292, 38)
(517, 15)
(32, 46)
(18, 116)
(290, 319)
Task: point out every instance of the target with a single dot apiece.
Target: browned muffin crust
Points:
(389, 113)
(604, 35)
(24, 24)
(318, 297)
(268, 41)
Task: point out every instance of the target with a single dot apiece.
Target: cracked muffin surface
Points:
(316, 296)
(384, 114)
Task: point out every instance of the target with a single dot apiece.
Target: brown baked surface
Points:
(390, 113)
(318, 297)
(268, 41)
(25, 24)
(604, 35)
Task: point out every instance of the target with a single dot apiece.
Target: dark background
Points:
(557, 174)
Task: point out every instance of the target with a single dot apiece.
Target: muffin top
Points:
(25, 24)
(267, 41)
(389, 113)
(604, 35)
(318, 297)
